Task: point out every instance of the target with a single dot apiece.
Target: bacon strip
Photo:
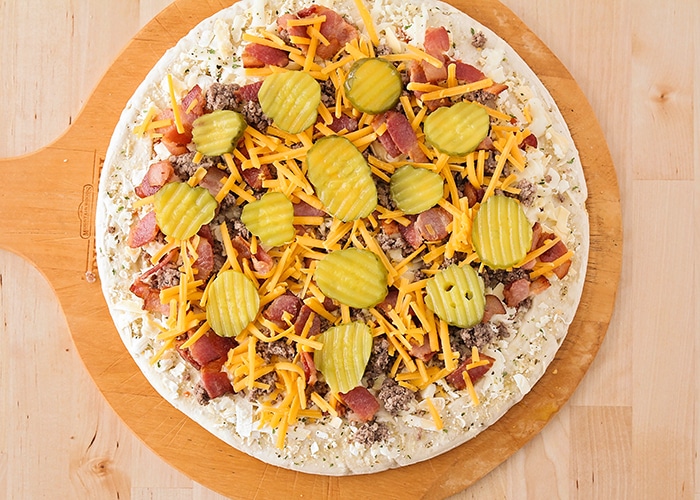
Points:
(363, 404)
(191, 108)
(205, 259)
(303, 209)
(432, 224)
(423, 351)
(156, 177)
(437, 41)
(516, 292)
(344, 122)
(262, 262)
(385, 139)
(144, 231)
(150, 295)
(467, 73)
(256, 55)
(539, 285)
(249, 92)
(212, 180)
(335, 29)
(303, 317)
(287, 303)
(410, 234)
(215, 382)
(399, 138)
(493, 306)
(210, 347)
(307, 363)
(456, 380)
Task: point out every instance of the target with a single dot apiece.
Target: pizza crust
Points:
(323, 447)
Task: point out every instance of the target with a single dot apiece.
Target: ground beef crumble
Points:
(185, 167)
(384, 195)
(371, 432)
(528, 192)
(482, 334)
(492, 277)
(328, 93)
(235, 225)
(165, 277)
(256, 393)
(254, 116)
(478, 39)
(223, 96)
(278, 348)
(488, 99)
(394, 397)
(200, 395)
(379, 359)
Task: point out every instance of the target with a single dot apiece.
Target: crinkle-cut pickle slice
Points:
(501, 233)
(181, 210)
(271, 218)
(354, 277)
(291, 99)
(373, 85)
(343, 359)
(218, 132)
(415, 190)
(456, 295)
(232, 304)
(342, 178)
(458, 129)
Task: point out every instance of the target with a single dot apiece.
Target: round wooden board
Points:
(63, 179)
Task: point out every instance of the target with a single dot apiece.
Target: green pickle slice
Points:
(291, 99)
(373, 85)
(501, 233)
(232, 304)
(343, 359)
(353, 277)
(342, 178)
(271, 218)
(218, 132)
(457, 130)
(415, 190)
(181, 210)
(456, 295)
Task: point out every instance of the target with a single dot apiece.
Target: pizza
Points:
(342, 236)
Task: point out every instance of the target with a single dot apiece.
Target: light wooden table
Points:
(629, 431)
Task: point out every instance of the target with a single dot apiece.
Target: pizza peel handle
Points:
(47, 211)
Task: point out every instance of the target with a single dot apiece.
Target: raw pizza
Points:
(342, 236)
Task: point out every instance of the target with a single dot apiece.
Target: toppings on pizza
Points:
(458, 129)
(341, 230)
(501, 233)
(217, 133)
(456, 295)
(232, 304)
(415, 190)
(346, 350)
(181, 209)
(373, 85)
(335, 168)
(291, 100)
(271, 218)
(354, 277)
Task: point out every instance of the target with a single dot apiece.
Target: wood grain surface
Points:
(628, 432)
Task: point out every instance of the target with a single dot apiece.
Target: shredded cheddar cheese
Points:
(176, 108)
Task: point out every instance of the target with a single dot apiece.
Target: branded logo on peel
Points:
(85, 211)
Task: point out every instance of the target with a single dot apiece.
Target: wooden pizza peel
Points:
(47, 211)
